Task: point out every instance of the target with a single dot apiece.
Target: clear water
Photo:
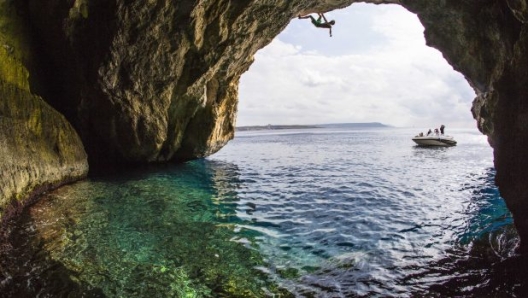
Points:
(289, 213)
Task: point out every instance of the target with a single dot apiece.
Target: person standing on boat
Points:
(429, 132)
(442, 129)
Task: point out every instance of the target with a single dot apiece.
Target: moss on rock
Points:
(14, 47)
(39, 149)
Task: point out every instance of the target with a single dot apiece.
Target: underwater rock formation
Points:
(157, 80)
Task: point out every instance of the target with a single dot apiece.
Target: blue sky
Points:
(375, 68)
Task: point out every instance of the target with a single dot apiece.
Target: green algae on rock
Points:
(14, 48)
(39, 149)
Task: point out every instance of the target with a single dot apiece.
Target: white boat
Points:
(434, 140)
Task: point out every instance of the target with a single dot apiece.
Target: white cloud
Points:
(306, 77)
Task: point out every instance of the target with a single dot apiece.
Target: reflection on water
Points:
(482, 261)
(305, 215)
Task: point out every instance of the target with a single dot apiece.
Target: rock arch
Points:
(153, 81)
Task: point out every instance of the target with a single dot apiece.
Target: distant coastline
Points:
(331, 125)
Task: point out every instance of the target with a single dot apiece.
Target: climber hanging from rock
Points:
(319, 22)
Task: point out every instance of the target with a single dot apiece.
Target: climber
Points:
(319, 23)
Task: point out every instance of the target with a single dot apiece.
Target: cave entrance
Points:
(375, 68)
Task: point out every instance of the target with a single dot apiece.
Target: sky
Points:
(375, 68)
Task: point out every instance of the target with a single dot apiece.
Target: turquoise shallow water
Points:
(331, 212)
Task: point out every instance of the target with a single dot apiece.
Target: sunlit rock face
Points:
(156, 80)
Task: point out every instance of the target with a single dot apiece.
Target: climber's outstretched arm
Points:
(324, 18)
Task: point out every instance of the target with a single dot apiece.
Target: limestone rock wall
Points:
(39, 149)
(157, 80)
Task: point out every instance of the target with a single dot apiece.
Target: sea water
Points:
(321, 212)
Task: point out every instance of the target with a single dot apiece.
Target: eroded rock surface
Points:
(158, 80)
(39, 149)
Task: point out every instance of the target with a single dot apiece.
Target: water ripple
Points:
(313, 213)
(350, 202)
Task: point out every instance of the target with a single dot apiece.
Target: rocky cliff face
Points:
(156, 80)
(39, 149)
